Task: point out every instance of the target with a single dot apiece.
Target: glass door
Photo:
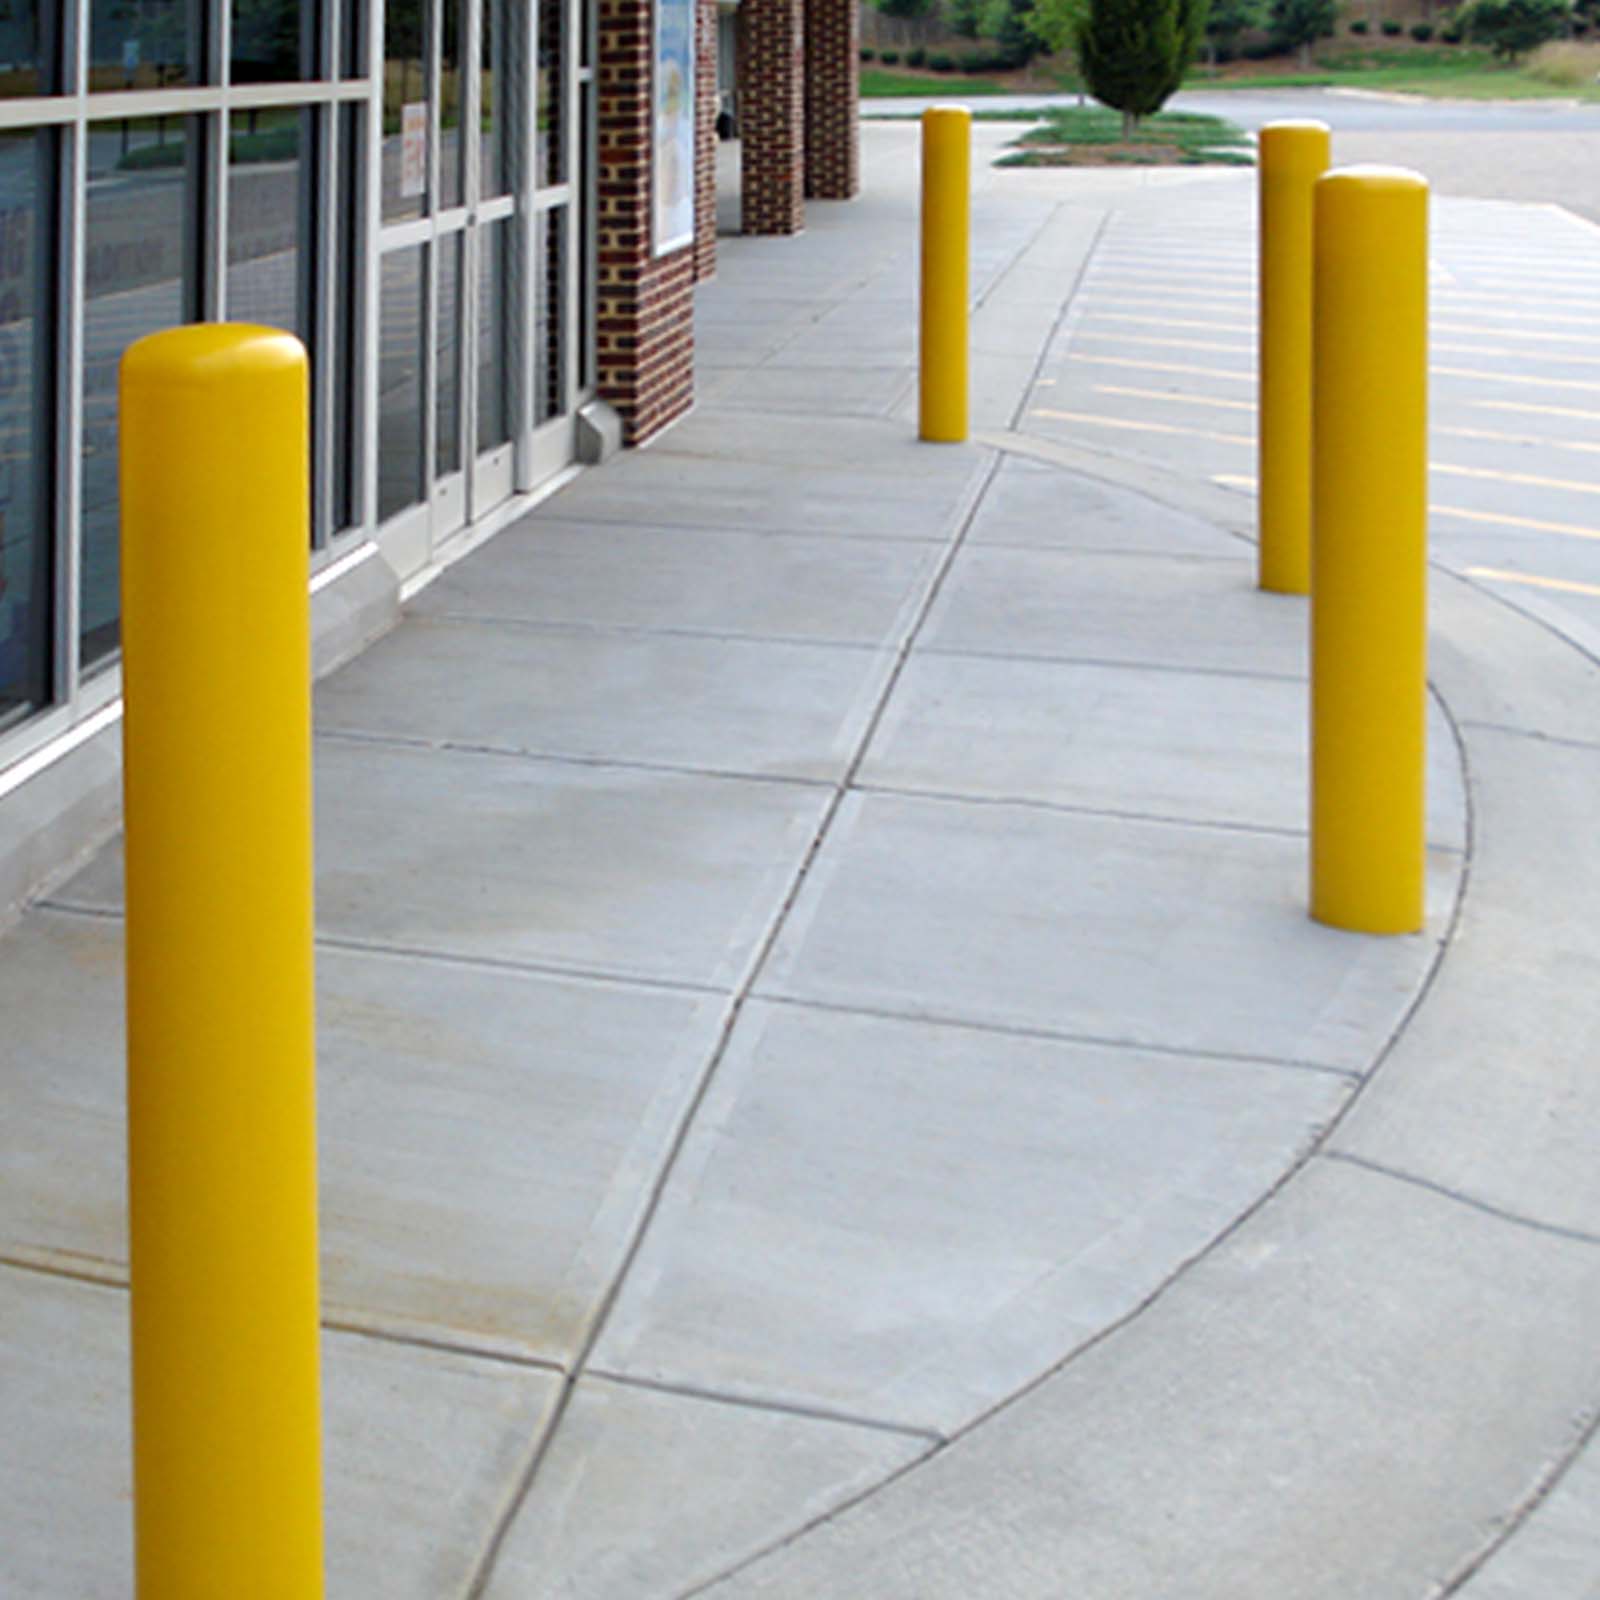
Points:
(448, 336)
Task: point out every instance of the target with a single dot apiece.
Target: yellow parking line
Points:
(1239, 480)
(1143, 427)
(1509, 377)
(1512, 333)
(1569, 529)
(1172, 344)
(1165, 366)
(1518, 438)
(1180, 396)
(1515, 355)
(1529, 409)
(1566, 585)
(1528, 478)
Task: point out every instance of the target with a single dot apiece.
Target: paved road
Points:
(1539, 150)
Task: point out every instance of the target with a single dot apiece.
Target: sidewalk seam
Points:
(972, 498)
(1553, 1230)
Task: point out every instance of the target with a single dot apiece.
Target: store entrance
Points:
(479, 256)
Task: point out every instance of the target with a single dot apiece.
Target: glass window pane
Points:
(400, 383)
(494, 410)
(26, 574)
(496, 87)
(141, 44)
(450, 96)
(405, 111)
(272, 41)
(552, 153)
(267, 171)
(551, 392)
(352, 43)
(134, 284)
(447, 386)
(345, 342)
(29, 46)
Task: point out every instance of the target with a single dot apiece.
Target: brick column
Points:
(833, 99)
(772, 115)
(645, 333)
(705, 140)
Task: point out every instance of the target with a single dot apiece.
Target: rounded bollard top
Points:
(1374, 179)
(213, 352)
(944, 113)
(1296, 150)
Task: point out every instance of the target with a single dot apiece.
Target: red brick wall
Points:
(772, 115)
(645, 333)
(705, 140)
(833, 99)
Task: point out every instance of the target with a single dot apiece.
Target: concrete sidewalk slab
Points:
(614, 872)
(1225, 1444)
(801, 587)
(1148, 933)
(1120, 739)
(422, 1447)
(896, 1220)
(765, 708)
(626, 1447)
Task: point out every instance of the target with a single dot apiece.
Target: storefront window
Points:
(272, 41)
(405, 111)
(142, 44)
(400, 418)
(134, 283)
(29, 47)
(267, 170)
(26, 573)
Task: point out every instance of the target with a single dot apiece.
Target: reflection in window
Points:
(494, 117)
(551, 393)
(400, 455)
(494, 409)
(552, 158)
(451, 91)
(28, 48)
(405, 111)
(266, 175)
(141, 44)
(270, 41)
(25, 367)
(447, 384)
(133, 284)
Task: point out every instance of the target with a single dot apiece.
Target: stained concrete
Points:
(422, 1446)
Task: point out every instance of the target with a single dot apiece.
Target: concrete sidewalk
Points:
(827, 1084)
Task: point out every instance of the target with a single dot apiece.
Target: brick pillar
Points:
(833, 99)
(705, 140)
(772, 115)
(645, 333)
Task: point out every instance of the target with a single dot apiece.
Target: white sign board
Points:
(672, 163)
(414, 148)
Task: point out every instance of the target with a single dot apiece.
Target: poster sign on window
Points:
(413, 148)
(674, 125)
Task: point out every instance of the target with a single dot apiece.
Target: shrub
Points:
(1422, 32)
(868, 54)
(889, 58)
(1512, 27)
(1566, 64)
(1391, 28)
(1259, 50)
(1358, 26)
(1298, 24)
(1451, 33)
(940, 62)
(917, 57)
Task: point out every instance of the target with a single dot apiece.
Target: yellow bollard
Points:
(1369, 550)
(221, 1113)
(946, 208)
(1293, 156)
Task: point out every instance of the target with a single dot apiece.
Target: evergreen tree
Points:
(1298, 24)
(1191, 23)
(1128, 51)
